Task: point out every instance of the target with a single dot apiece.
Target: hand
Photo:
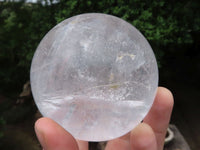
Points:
(148, 135)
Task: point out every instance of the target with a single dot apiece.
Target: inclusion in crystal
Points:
(95, 75)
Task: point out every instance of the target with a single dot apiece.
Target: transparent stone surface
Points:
(95, 75)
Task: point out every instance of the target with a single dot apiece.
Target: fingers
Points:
(143, 138)
(121, 143)
(53, 137)
(150, 134)
(83, 145)
(159, 115)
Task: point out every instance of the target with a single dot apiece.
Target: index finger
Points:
(159, 115)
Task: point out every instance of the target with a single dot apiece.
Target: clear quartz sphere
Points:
(95, 75)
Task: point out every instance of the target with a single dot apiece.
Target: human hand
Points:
(148, 135)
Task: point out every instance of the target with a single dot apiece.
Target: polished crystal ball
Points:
(95, 75)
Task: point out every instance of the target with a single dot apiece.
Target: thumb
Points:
(53, 137)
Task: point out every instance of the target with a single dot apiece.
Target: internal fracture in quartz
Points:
(95, 75)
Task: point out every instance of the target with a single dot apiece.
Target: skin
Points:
(148, 135)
